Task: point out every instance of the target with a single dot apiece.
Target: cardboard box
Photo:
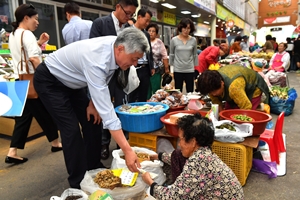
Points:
(7, 127)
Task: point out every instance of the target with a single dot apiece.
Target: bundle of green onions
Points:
(280, 92)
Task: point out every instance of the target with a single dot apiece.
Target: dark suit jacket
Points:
(149, 55)
(103, 26)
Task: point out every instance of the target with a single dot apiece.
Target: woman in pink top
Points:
(210, 56)
(160, 57)
(280, 61)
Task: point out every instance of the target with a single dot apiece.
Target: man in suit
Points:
(145, 66)
(113, 24)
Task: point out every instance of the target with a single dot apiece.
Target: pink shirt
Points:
(159, 51)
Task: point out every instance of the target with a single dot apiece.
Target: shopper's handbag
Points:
(31, 91)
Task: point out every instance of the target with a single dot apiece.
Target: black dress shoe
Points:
(105, 151)
(12, 160)
(56, 149)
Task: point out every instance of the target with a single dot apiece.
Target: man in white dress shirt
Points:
(60, 83)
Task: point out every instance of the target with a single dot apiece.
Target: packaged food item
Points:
(215, 110)
(100, 195)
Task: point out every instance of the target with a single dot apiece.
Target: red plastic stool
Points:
(274, 139)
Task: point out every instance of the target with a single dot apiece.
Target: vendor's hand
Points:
(153, 157)
(132, 161)
(146, 178)
(91, 110)
(152, 72)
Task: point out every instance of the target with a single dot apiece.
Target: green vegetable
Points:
(281, 92)
(243, 118)
(227, 126)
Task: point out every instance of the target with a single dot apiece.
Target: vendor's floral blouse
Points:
(204, 176)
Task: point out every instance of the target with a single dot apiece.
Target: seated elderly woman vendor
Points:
(239, 86)
(280, 61)
(204, 175)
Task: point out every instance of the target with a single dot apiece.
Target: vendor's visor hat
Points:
(224, 47)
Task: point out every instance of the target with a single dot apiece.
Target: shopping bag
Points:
(278, 105)
(32, 94)
(133, 81)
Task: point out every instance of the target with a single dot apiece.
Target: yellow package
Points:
(128, 178)
(267, 108)
(100, 195)
(214, 66)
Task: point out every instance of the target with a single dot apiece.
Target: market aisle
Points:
(44, 175)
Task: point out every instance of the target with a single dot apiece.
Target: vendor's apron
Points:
(277, 62)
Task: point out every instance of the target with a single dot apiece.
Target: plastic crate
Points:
(142, 122)
(148, 140)
(237, 156)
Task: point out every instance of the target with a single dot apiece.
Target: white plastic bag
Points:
(135, 192)
(164, 145)
(226, 135)
(133, 81)
(74, 192)
(149, 166)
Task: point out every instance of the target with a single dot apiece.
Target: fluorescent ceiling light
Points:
(168, 5)
(217, 25)
(186, 12)
(196, 16)
(206, 22)
(154, 1)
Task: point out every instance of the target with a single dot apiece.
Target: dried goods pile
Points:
(73, 197)
(141, 156)
(107, 179)
(172, 98)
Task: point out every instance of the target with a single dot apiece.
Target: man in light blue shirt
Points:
(76, 29)
(60, 83)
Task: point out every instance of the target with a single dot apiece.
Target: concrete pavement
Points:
(44, 174)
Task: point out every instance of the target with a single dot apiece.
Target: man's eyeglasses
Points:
(126, 13)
